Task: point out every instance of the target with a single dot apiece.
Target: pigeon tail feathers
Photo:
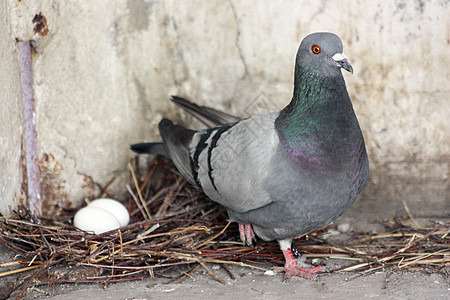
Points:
(208, 116)
(150, 148)
(176, 140)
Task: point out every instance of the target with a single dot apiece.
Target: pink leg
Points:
(292, 269)
(246, 233)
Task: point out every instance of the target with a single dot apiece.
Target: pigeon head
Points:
(321, 53)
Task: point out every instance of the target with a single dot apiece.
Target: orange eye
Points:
(315, 49)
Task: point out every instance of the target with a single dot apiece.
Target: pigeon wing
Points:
(231, 162)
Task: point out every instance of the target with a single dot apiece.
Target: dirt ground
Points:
(253, 284)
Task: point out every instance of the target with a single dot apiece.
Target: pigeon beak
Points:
(342, 62)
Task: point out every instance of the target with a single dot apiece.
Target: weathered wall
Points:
(104, 71)
(11, 160)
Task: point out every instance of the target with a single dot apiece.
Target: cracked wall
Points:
(104, 71)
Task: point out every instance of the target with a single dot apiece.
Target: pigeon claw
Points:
(290, 271)
(247, 234)
(291, 268)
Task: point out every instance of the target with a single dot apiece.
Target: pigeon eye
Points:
(315, 49)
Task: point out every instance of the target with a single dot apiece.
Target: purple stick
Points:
(33, 174)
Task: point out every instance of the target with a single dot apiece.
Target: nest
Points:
(176, 230)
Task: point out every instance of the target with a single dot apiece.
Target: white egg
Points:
(115, 208)
(94, 219)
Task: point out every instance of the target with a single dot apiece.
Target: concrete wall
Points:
(12, 168)
(103, 72)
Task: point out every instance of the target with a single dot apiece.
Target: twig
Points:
(148, 231)
(188, 274)
(136, 200)
(211, 273)
(417, 225)
(139, 190)
(228, 271)
(215, 236)
(7, 273)
(420, 258)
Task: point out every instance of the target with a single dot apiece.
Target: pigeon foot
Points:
(291, 268)
(246, 233)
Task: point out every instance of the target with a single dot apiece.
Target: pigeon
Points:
(282, 174)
